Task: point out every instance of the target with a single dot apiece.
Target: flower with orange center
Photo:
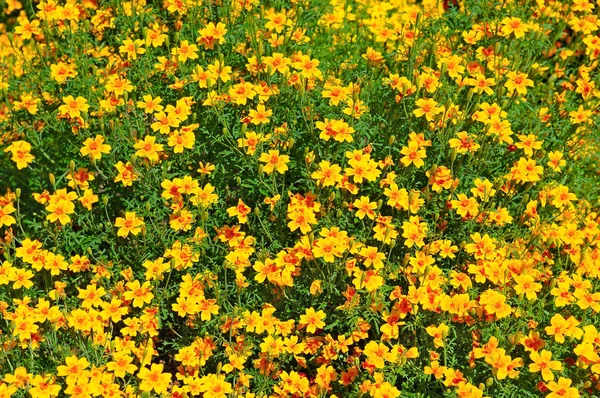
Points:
(148, 148)
(74, 369)
(59, 211)
(121, 364)
(154, 379)
(129, 224)
(413, 154)
(313, 320)
(95, 147)
(241, 211)
(562, 389)
(139, 294)
(518, 82)
(43, 387)
(274, 161)
(20, 153)
(73, 106)
(542, 363)
(260, 115)
(427, 107)
(465, 206)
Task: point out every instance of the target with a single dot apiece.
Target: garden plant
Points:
(299, 198)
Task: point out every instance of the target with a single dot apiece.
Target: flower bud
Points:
(18, 193)
(52, 179)
(469, 95)
(406, 259)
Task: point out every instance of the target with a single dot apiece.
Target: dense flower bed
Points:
(290, 198)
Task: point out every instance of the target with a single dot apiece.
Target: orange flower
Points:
(241, 211)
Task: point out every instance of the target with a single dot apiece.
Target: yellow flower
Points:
(132, 48)
(154, 379)
(95, 147)
(20, 153)
(518, 82)
(73, 106)
(5, 218)
(313, 320)
(274, 161)
(562, 389)
(139, 294)
(121, 364)
(148, 148)
(129, 224)
(542, 363)
(59, 211)
(260, 115)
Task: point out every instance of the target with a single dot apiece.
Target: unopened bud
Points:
(52, 179)
(469, 95)
(18, 193)
(454, 155)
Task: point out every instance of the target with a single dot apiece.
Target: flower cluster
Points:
(299, 199)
